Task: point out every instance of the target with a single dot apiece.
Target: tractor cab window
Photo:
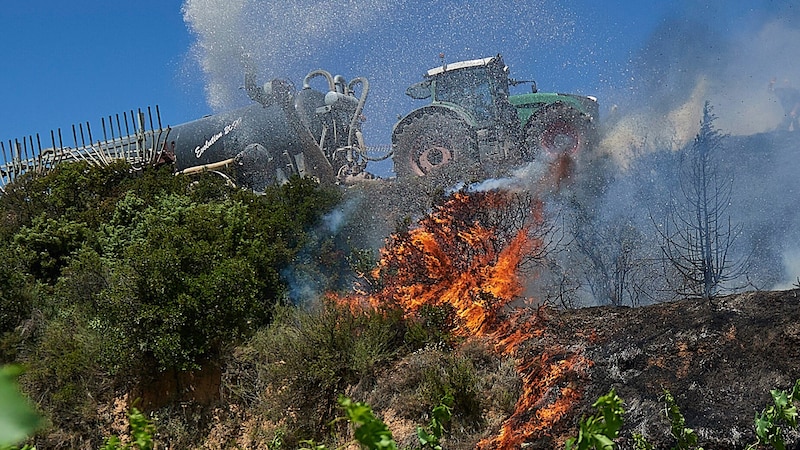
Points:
(470, 89)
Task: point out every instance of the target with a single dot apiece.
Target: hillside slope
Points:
(719, 361)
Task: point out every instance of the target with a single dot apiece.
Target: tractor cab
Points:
(479, 86)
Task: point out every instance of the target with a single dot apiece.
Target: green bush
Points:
(183, 284)
(47, 244)
(187, 277)
(307, 357)
(17, 292)
(115, 273)
(74, 191)
(456, 377)
(65, 376)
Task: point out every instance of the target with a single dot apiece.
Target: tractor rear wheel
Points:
(436, 144)
(558, 131)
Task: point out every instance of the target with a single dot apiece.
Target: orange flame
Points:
(461, 255)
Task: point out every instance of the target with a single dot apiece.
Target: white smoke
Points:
(526, 178)
(692, 58)
(333, 221)
(791, 265)
(273, 34)
(741, 94)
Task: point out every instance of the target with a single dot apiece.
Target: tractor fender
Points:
(528, 105)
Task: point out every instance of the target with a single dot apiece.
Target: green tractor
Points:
(474, 129)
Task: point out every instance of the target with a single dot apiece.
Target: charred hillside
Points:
(719, 360)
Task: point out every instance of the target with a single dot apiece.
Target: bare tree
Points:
(615, 262)
(698, 235)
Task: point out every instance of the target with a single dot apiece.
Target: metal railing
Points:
(135, 138)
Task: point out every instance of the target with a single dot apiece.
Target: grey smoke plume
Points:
(697, 56)
(688, 61)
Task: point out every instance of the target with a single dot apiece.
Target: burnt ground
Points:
(719, 360)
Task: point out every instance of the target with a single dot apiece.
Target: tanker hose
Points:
(317, 73)
(357, 115)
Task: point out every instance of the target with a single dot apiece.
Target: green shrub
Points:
(74, 191)
(115, 273)
(65, 376)
(783, 411)
(599, 430)
(186, 278)
(307, 357)
(47, 244)
(17, 292)
(456, 377)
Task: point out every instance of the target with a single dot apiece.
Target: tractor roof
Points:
(462, 65)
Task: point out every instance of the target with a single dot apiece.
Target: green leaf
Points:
(112, 443)
(424, 437)
(780, 397)
(796, 391)
(368, 429)
(640, 443)
(18, 420)
(603, 442)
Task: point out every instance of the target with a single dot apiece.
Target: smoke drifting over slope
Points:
(709, 54)
(687, 62)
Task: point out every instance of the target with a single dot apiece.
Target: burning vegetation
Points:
(460, 256)
(470, 254)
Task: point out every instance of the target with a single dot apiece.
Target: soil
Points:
(719, 359)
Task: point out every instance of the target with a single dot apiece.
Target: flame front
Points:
(463, 254)
(457, 258)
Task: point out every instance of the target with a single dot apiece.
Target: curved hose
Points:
(386, 156)
(360, 107)
(316, 73)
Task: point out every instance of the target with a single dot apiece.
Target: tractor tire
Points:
(558, 131)
(436, 145)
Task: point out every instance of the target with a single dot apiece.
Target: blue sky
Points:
(76, 61)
